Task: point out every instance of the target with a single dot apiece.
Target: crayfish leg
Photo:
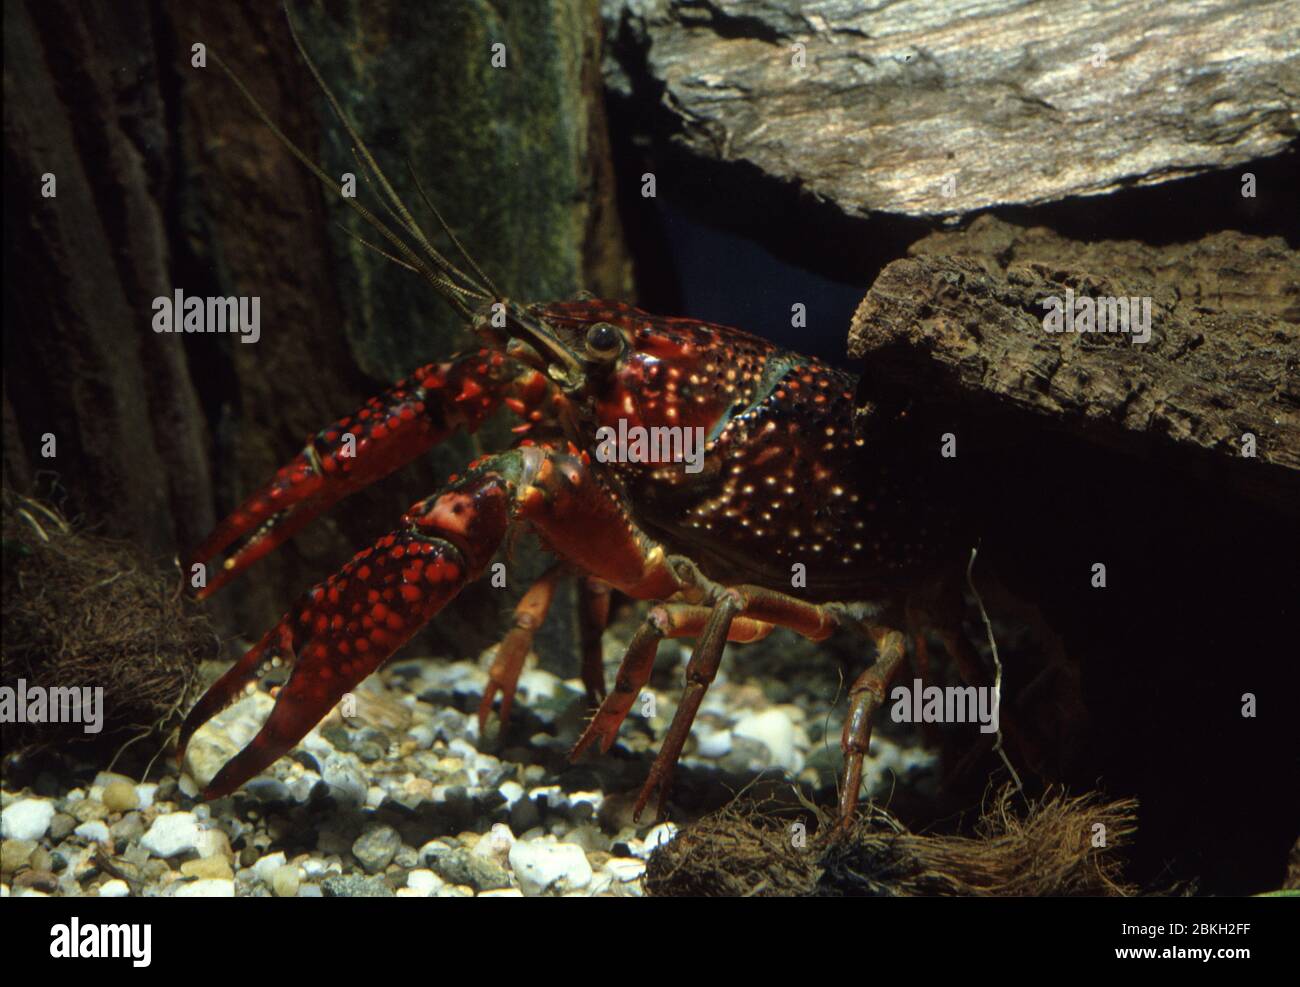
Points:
(593, 617)
(866, 695)
(508, 663)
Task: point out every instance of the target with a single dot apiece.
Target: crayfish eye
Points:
(603, 341)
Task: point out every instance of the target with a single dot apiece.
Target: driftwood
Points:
(963, 317)
(929, 109)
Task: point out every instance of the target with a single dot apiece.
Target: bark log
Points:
(925, 109)
(92, 397)
(962, 320)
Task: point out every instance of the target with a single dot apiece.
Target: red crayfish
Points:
(790, 519)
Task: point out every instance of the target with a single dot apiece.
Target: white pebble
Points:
(114, 889)
(423, 881)
(314, 867)
(715, 745)
(266, 866)
(26, 819)
(657, 837)
(93, 832)
(495, 843)
(176, 832)
(544, 864)
(774, 729)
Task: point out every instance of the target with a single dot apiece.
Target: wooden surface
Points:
(961, 319)
(1012, 101)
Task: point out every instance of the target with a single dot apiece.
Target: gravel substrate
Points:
(405, 799)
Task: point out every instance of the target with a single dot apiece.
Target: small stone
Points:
(26, 819)
(774, 729)
(172, 834)
(15, 854)
(314, 867)
(42, 859)
(93, 832)
(206, 889)
(284, 882)
(419, 790)
(524, 815)
(657, 837)
(266, 867)
(503, 893)
(345, 782)
(114, 889)
(120, 796)
(496, 843)
(213, 843)
(434, 849)
(61, 827)
(543, 865)
(455, 891)
(423, 881)
(376, 847)
(90, 810)
(421, 736)
(130, 827)
(714, 745)
(355, 886)
(464, 867)
(208, 868)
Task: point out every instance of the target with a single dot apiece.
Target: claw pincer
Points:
(390, 431)
(348, 625)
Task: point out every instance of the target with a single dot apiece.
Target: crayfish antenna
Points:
(452, 283)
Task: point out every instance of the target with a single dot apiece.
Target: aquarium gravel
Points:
(405, 799)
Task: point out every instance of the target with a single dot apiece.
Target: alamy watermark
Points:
(1103, 314)
(950, 704)
(59, 704)
(654, 444)
(196, 313)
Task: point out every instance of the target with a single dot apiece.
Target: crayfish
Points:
(786, 485)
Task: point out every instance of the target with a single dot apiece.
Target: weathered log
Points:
(1216, 388)
(925, 109)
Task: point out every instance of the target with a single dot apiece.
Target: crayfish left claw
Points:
(348, 625)
(390, 431)
(339, 633)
